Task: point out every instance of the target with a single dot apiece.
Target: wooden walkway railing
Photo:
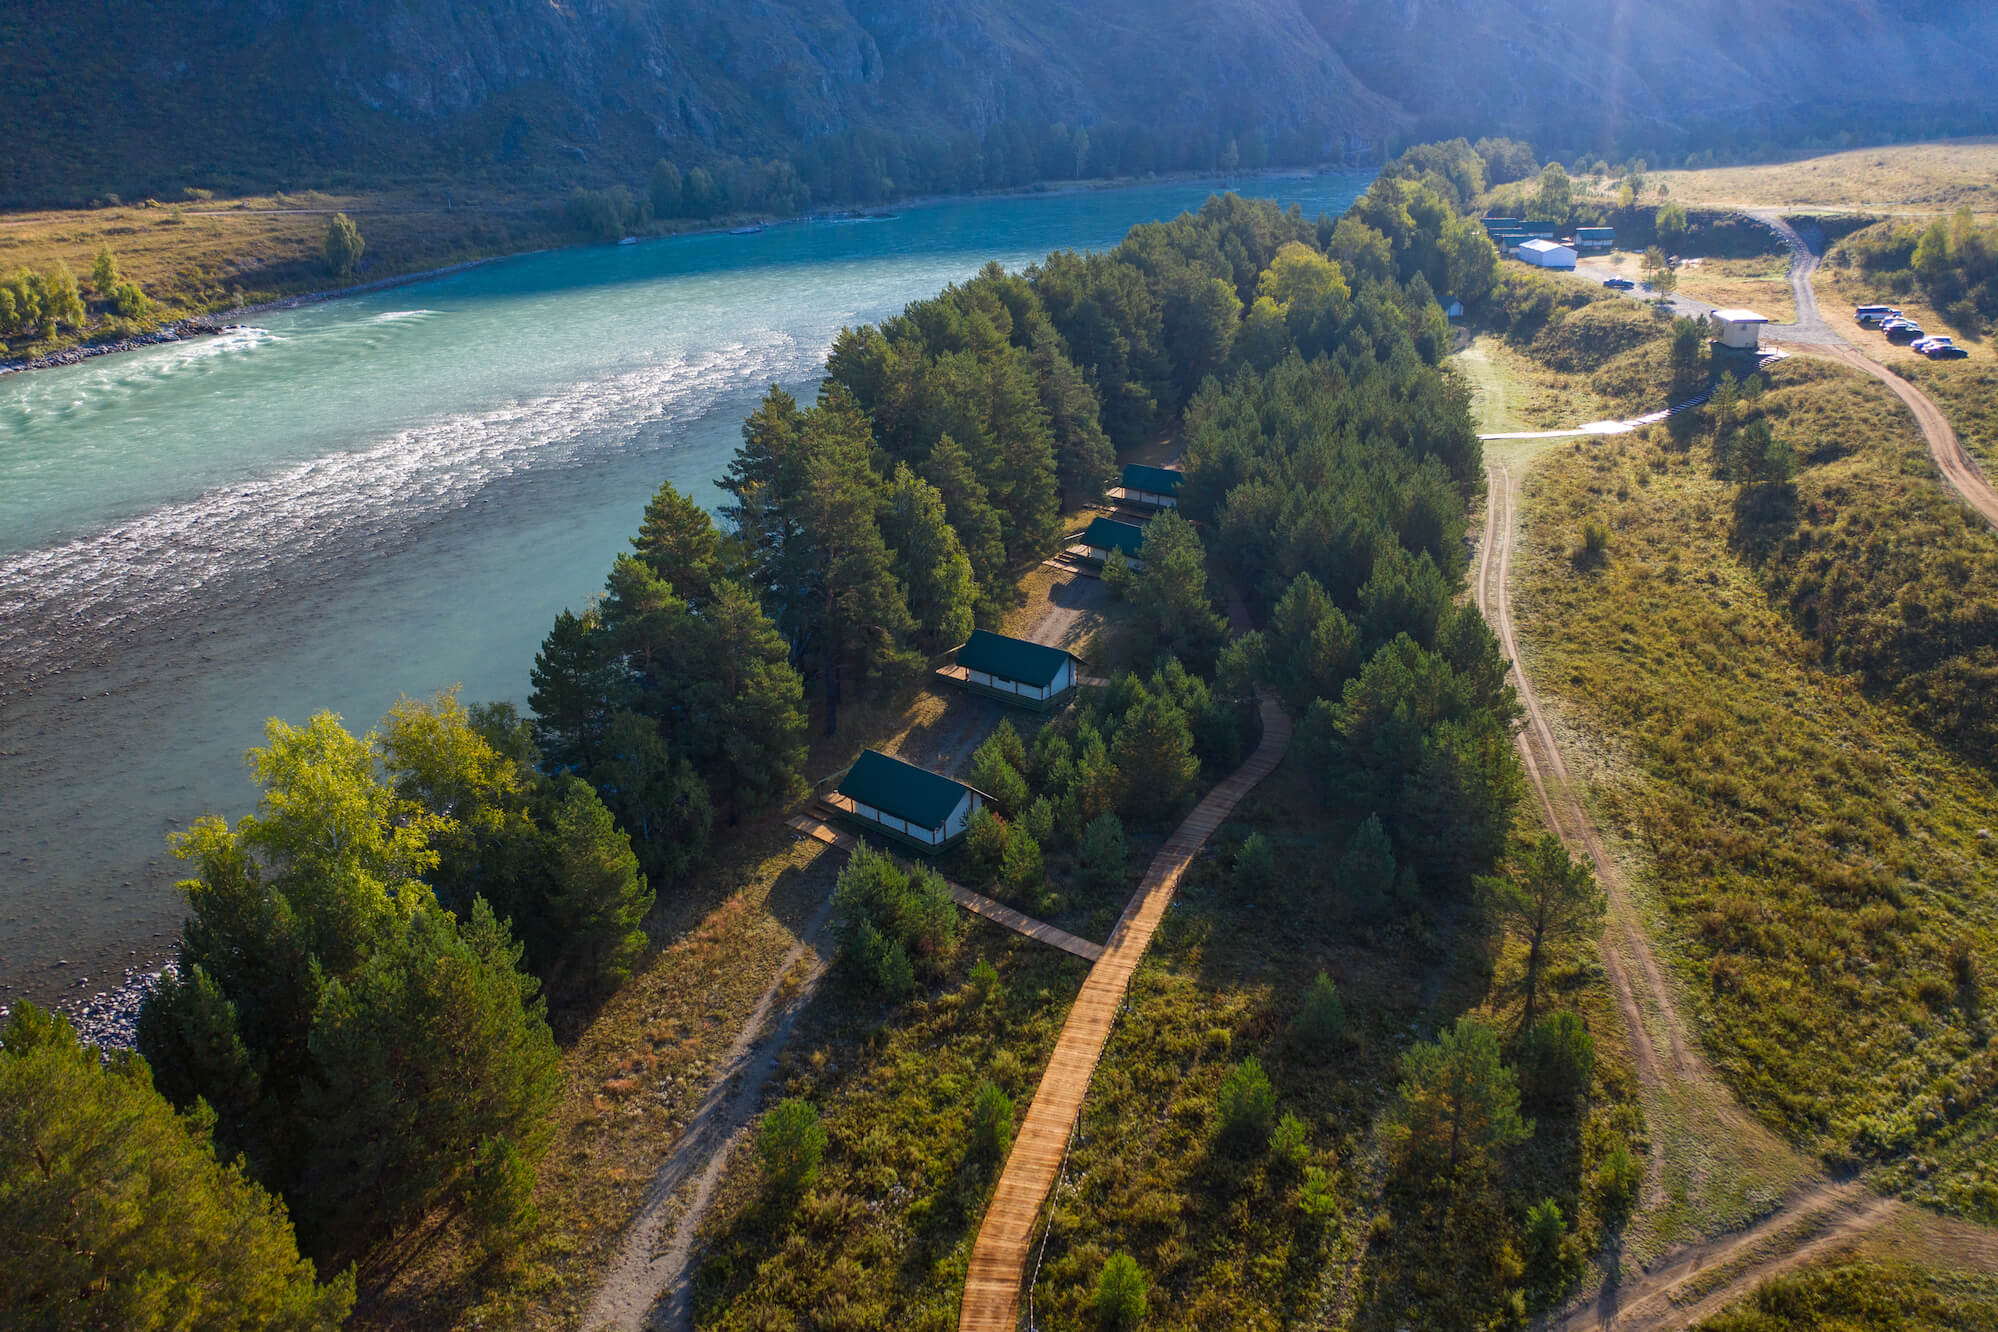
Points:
(999, 1257)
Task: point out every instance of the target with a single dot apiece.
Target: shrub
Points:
(991, 1123)
(1595, 542)
(1544, 1232)
(1021, 869)
(986, 842)
(1322, 1019)
(1255, 868)
(1618, 1181)
(1245, 1107)
(891, 916)
(791, 1142)
(985, 980)
(1120, 1293)
(1557, 1061)
(1288, 1147)
(998, 776)
(1040, 821)
(1104, 851)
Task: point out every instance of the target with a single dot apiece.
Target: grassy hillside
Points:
(1816, 856)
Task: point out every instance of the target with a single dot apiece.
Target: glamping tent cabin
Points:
(913, 805)
(1105, 535)
(1152, 487)
(1014, 670)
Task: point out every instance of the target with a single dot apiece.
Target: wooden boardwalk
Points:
(999, 1257)
(977, 903)
(1020, 922)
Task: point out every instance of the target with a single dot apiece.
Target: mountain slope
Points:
(144, 95)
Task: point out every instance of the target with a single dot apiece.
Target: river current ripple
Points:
(229, 547)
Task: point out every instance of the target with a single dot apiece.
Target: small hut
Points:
(1014, 670)
(1152, 487)
(1105, 535)
(912, 805)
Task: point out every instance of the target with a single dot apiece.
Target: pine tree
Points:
(766, 477)
(655, 797)
(1154, 754)
(968, 506)
(576, 689)
(848, 609)
(1457, 1108)
(929, 561)
(119, 1215)
(678, 541)
(747, 706)
(1547, 898)
(430, 1048)
(599, 898)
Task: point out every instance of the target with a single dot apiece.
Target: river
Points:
(384, 494)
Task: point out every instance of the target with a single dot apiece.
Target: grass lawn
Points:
(1819, 860)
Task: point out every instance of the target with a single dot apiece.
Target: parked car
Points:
(1874, 312)
(1619, 283)
(1947, 353)
(1925, 344)
(1875, 317)
(1904, 332)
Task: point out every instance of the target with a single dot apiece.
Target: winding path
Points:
(999, 1256)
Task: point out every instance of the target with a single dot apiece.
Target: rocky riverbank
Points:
(107, 1018)
(178, 331)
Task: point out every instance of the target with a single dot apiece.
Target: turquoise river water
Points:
(384, 494)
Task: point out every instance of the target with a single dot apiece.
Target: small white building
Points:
(913, 805)
(1015, 670)
(1547, 254)
(1740, 330)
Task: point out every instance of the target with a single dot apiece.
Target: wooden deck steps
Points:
(999, 1257)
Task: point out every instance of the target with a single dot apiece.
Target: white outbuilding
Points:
(1547, 254)
(1738, 329)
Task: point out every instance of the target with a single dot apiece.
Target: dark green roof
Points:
(1158, 480)
(908, 792)
(1012, 659)
(1109, 534)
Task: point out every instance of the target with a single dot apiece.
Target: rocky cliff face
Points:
(104, 94)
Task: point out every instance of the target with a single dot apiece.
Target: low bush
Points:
(791, 1143)
(1121, 1293)
(1245, 1108)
